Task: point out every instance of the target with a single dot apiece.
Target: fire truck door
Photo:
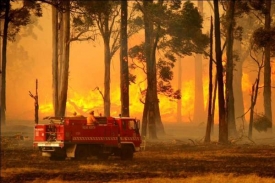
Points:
(111, 132)
(128, 128)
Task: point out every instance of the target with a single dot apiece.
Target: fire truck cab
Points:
(71, 137)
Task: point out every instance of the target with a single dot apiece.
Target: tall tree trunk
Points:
(214, 102)
(151, 120)
(210, 89)
(179, 102)
(64, 66)
(267, 67)
(55, 59)
(4, 63)
(223, 127)
(253, 100)
(237, 83)
(107, 64)
(107, 77)
(60, 57)
(144, 117)
(230, 109)
(158, 123)
(199, 111)
(1, 43)
(124, 70)
(151, 72)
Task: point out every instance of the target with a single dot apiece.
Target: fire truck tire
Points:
(127, 153)
(80, 153)
(55, 157)
(102, 156)
(58, 155)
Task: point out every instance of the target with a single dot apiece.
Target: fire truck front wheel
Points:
(58, 155)
(127, 152)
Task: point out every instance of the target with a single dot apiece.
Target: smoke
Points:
(31, 59)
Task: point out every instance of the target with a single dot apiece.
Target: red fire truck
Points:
(71, 137)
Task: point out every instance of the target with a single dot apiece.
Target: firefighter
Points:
(91, 118)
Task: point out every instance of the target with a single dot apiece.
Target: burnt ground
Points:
(164, 158)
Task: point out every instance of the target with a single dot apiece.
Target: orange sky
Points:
(86, 73)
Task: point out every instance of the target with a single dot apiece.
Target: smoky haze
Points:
(31, 58)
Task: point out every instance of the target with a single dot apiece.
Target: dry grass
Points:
(167, 160)
(211, 178)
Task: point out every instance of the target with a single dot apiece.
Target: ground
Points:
(179, 156)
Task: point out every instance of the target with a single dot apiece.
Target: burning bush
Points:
(261, 122)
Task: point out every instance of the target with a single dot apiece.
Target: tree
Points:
(55, 38)
(164, 75)
(230, 108)
(60, 57)
(124, 71)
(244, 22)
(223, 127)
(255, 88)
(210, 88)
(103, 14)
(263, 38)
(4, 62)
(153, 23)
(267, 65)
(102, 18)
(233, 32)
(167, 30)
(199, 111)
(151, 100)
(14, 19)
(64, 61)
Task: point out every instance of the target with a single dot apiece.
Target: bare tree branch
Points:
(97, 88)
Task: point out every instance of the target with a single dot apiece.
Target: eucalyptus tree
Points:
(164, 75)
(230, 19)
(60, 54)
(253, 22)
(267, 65)
(210, 88)
(103, 16)
(263, 37)
(223, 126)
(14, 17)
(174, 30)
(199, 110)
(124, 69)
(153, 14)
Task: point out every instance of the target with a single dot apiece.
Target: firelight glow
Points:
(86, 72)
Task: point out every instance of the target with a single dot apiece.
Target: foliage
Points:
(164, 70)
(89, 19)
(261, 122)
(262, 37)
(185, 30)
(180, 32)
(258, 5)
(20, 17)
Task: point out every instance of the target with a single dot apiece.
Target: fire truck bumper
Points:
(45, 145)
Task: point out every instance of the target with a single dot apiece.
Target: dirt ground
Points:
(175, 156)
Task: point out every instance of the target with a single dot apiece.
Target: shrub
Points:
(261, 122)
